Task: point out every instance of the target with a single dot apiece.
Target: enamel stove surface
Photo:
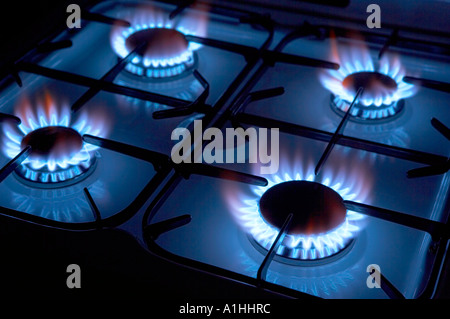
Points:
(116, 103)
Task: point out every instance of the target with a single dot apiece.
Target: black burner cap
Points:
(53, 142)
(316, 208)
(375, 84)
(161, 43)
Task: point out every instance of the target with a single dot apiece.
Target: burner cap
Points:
(316, 208)
(161, 43)
(376, 85)
(53, 142)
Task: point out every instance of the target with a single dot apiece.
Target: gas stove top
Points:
(199, 147)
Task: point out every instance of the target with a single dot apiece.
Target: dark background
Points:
(23, 24)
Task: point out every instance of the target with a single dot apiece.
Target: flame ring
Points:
(364, 114)
(155, 68)
(300, 247)
(44, 113)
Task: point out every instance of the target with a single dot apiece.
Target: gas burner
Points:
(166, 52)
(384, 89)
(54, 145)
(321, 228)
(58, 157)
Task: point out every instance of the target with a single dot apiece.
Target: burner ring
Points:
(57, 157)
(367, 114)
(285, 256)
(44, 178)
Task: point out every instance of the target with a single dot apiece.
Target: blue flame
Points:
(46, 113)
(357, 59)
(153, 19)
(368, 112)
(304, 247)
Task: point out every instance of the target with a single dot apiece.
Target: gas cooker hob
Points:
(269, 150)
